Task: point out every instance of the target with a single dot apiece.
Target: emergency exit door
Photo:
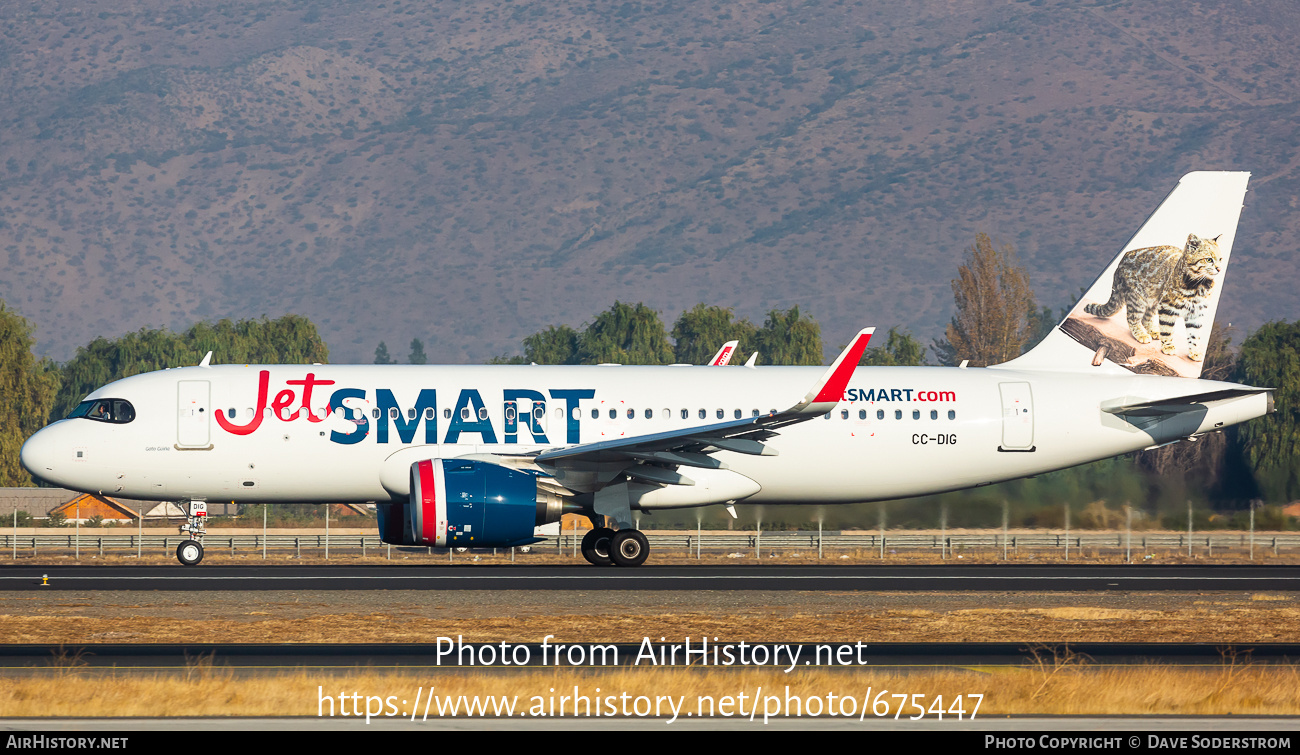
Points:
(1017, 417)
(192, 420)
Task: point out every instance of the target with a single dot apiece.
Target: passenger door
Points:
(192, 414)
(1017, 417)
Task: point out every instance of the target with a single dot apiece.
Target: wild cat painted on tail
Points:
(1165, 284)
(1166, 281)
(478, 456)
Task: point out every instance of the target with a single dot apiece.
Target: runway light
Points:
(45, 580)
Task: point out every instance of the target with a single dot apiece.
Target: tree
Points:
(788, 337)
(899, 350)
(625, 334)
(701, 331)
(381, 354)
(1270, 358)
(291, 339)
(558, 344)
(27, 391)
(995, 306)
(417, 355)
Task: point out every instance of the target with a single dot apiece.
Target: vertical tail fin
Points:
(1151, 310)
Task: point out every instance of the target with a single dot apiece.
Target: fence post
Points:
(1067, 531)
(1128, 534)
(139, 530)
(264, 532)
(327, 532)
(297, 547)
(15, 533)
(100, 541)
(1189, 529)
(882, 532)
(819, 539)
(78, 530)
(1252, 530)
(1005, 518)
(943, 530)
(758, 539)
(699, 533)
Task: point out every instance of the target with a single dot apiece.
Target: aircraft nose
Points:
(38, 454)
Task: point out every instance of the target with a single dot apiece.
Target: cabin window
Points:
(613, 414)
(934, 414)
(737, 414)
(898, 414)
(880, 414)
(392, 412)
(510, 413)
(844, 414)
(649, 413)
(231, 412)
(916, 414)
(952, 414)
(862, 414)
(595, 414)
(410, 413)
(577, 413)
(754, 414)
(827, 415)
(375, 412)
(464, 412)
(631, 413)
(482, 412)
(446, 413)
(539, 412)
(704, 414)
(721, 413)
(686, 414)
(666, 414)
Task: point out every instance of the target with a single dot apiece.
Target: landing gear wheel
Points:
(189, 552)
(629, 548)
(596, 546)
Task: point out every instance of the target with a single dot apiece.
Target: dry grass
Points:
(1059, 685)
(1269, 596)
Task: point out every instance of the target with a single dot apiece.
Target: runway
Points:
(450, 656)
(966, 577)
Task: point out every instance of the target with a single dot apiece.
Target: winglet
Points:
(724, 354)
(753, 359)
(830, 389)
(207, 360)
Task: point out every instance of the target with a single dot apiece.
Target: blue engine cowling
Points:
(463, 503)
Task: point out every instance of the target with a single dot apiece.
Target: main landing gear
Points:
(603, 546)
(190, 552)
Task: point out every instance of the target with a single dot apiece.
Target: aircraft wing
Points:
(650, 456)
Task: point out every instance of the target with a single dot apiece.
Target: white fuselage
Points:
(900, 431)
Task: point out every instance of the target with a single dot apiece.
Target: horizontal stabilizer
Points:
(1179, 404)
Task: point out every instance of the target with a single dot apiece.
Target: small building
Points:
(87, 506)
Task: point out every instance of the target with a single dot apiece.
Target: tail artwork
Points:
(1151, 311)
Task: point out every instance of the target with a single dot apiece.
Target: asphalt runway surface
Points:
(477, 656)
(966, 577)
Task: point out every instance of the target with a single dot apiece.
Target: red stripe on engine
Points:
(428, 503)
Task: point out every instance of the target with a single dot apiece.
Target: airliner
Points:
(481, 456)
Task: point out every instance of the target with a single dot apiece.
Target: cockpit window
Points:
(115, 410)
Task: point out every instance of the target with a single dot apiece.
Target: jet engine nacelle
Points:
(467, 503)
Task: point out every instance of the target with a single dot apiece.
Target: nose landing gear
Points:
(190, 552)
